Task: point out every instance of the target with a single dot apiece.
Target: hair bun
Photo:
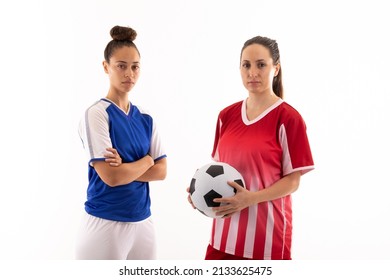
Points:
(121, 33)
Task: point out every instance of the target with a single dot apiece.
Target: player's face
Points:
(123, 69)
(257, 69)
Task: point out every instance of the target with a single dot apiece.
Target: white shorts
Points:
(101, 239)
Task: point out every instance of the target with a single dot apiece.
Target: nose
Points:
(129, 73)
(252, 73)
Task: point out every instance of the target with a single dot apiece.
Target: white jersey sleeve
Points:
(94, 131)
(156, 148)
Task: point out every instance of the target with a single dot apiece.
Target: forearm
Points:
(125, 173)
(245, 198)
(157, 172)
(283, 187)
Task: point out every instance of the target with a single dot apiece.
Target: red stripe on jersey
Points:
(282, 229)
(279, 231)
(241, 234)
(225, 233)
(213, 233)
(259, 242)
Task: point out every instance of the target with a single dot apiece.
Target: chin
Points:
(127, 89)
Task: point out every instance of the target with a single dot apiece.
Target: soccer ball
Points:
(209, 182)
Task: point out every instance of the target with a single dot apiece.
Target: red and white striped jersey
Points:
(263, 150)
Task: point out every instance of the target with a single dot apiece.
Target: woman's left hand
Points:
(241, 200)
(113, 158)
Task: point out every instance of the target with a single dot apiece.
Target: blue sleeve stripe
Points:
(96, 159)
(161, 157)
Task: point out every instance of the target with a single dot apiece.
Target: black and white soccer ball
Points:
(209, 182)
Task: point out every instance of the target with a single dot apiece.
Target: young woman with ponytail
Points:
(265, 139)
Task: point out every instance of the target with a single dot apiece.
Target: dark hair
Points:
(121, 36)
(272, 46)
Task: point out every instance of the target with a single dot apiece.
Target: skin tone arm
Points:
(157, 172)
(115, 173)
(244, 198)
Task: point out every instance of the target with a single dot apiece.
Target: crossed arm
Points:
(115, 173)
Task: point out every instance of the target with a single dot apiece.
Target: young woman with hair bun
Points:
(124, 153)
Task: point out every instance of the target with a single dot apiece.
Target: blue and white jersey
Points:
(133, 135)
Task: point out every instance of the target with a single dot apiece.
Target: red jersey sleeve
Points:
(295, 144)
(214, 154)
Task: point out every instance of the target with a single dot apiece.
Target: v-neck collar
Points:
(112, 102)
(259, 117)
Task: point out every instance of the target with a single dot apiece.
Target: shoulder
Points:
(98, 107)
(235, 107)
(140, 110)
(288, 115)
(140, 113)
(95, 115)
(288, 111)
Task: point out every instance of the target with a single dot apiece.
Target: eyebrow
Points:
(122, 61)
(259, 60)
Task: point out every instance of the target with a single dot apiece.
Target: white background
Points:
(335, 57)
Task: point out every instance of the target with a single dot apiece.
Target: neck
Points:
(121, 100)
(260, 100)
(256, 104)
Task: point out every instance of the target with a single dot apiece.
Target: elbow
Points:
(111, 182)
(164, 175)
(293, 181)
(161, 169)
(106, 174)
(294, 188)
(295, 184)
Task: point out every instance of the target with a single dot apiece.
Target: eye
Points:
(122, 66)
(261, 65)
(135, 67)
(246, 65)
